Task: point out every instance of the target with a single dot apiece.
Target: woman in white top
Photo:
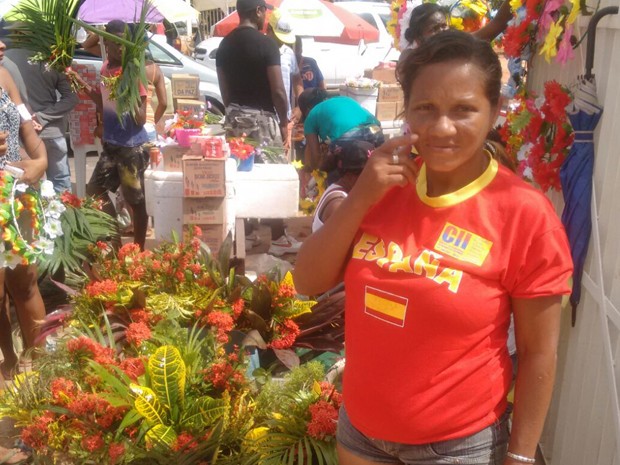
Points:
(351, 157)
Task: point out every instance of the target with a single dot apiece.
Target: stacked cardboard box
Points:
(83, 118)
(389, 102)
(185, 87)
(208, 196)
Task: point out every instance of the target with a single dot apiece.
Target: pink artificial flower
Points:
(565, 50)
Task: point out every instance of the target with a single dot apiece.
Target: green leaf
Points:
(168, 375)
(147, 405)
(203, 412)
(520, 121)
(161, 435)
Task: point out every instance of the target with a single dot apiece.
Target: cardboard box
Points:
(203, 177)
(185, 86)
(194, 107)
(390, 93)
(385, 75)
(211, 234)
(386, 111)
(208, 146)
(173, 157)
(209, 210)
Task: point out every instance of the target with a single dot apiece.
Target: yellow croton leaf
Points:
(161, 435)
(276, 416)
(147, 405)
(256, 434)
(316, 387)
(549, 48)
(288, 280)
(302, 306)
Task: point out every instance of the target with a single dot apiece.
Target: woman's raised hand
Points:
(389, 165)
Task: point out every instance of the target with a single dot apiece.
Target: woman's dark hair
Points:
(116, 26)
(452, 46)
(419, 16)
(310, 98)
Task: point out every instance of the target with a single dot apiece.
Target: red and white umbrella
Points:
(320, 19)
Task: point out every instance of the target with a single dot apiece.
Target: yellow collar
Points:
(456, 197)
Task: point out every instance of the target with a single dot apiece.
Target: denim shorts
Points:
(486, 447)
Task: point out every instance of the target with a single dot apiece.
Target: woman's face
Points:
(436, 23)
(451, 114)
(2, 49)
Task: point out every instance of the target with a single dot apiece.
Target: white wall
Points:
(583, 423)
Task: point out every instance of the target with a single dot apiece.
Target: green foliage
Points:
(82, 227)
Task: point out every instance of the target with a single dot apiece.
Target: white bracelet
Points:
(520, 458)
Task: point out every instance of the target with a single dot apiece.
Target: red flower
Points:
(133, 367)
(128, 250)
(93, 443)
(223, 376)
(285, 335)
(104, 288)
(116, 451)
(35, 435)
(137, 333)
(85, 347)
(62, 390)
(185, 442)
(223, 322)
(237, 307)
(323, 422)
(69, 199)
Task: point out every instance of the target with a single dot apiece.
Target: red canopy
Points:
(354, 27)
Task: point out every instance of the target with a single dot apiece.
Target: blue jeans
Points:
(486, 447)
(58, 170)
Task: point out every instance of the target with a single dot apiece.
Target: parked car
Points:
(336, 61)
(171, 61)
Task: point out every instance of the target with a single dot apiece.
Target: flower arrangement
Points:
(30, 221)
(538, 134)
(46, 27)
(544, 25)
(83, 223)
(301, 418)
(313, 191)
(144, 370)
(467, 15)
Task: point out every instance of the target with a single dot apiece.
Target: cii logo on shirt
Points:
(385, 306)
(463, 245)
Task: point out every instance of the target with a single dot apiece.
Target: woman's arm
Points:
(321, 260)
(312, 153)
(497, 25)
(537, 331)
(162, 96)
(34, 168)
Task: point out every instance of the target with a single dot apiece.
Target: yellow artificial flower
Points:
(549, 48)
(476, 6)
(574, 12)
(516, 4)
(297, 164)
(456, 23)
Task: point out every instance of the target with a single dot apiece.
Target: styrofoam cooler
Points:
(365, 96)
(164, 200)
(268, 191)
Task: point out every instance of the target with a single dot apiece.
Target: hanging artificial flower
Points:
(538, 134)
(22, 206)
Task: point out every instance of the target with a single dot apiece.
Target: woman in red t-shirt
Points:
(435, 261)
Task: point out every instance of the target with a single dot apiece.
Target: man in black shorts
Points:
(250, 78)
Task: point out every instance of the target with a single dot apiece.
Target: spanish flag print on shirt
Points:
(386, 306)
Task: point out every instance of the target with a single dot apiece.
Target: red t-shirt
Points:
(428, 286)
